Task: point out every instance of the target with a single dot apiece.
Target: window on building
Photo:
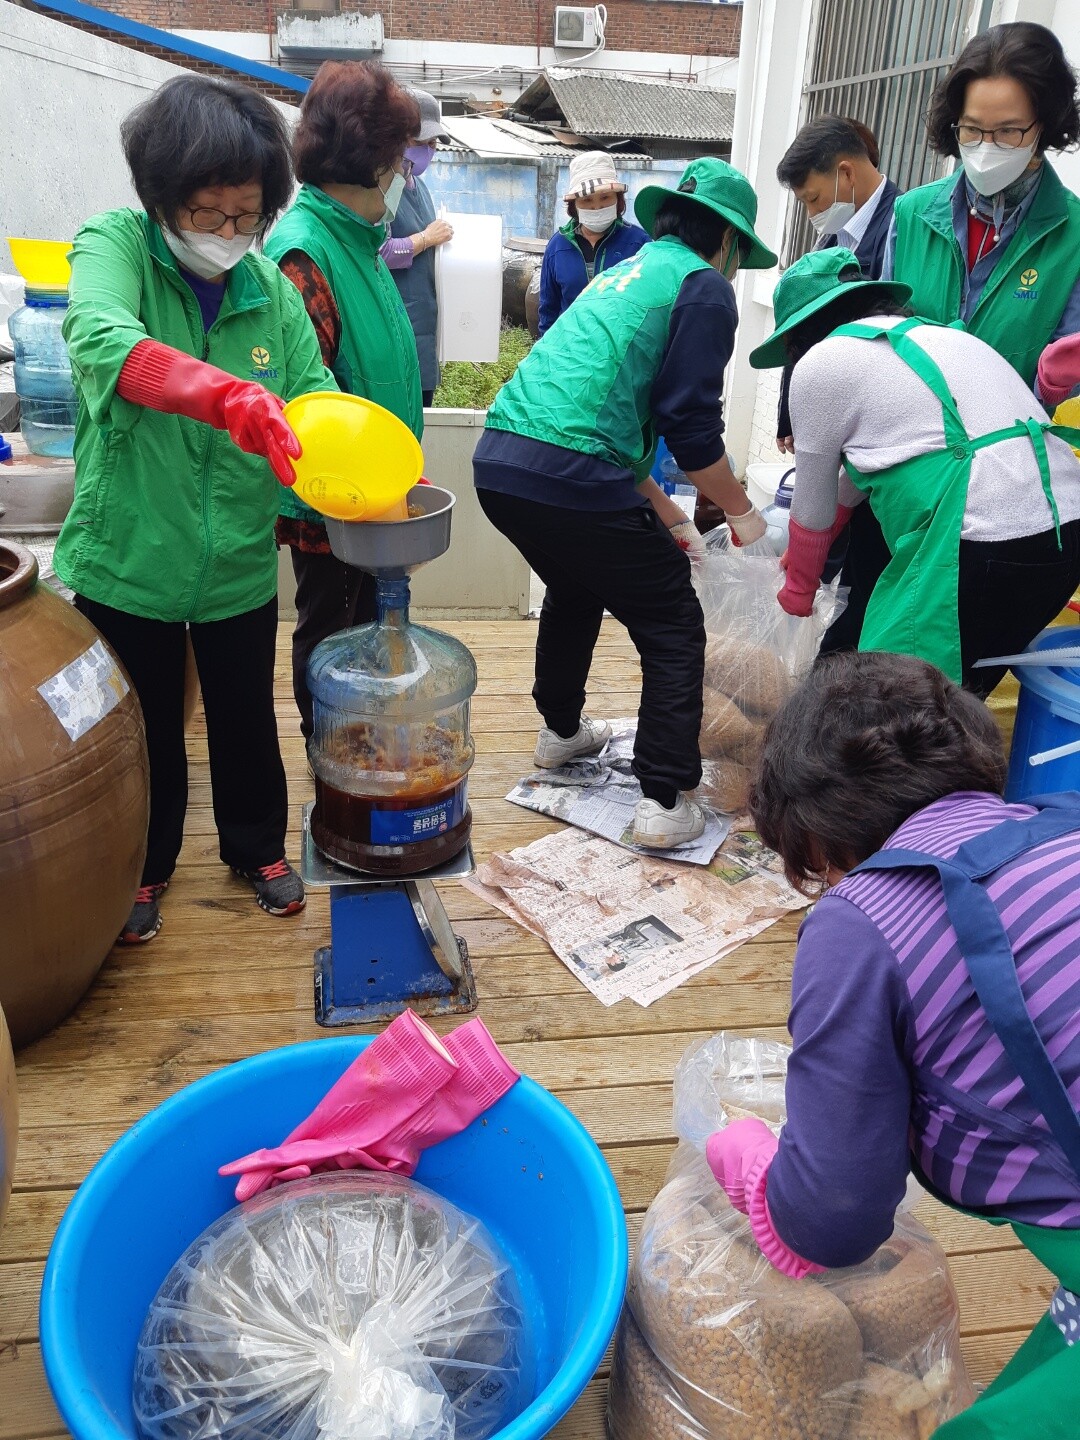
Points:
(878, 61)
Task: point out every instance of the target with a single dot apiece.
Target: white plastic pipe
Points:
(1058, 753)
(1064, 655)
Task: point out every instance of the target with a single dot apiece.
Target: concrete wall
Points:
(63, 94)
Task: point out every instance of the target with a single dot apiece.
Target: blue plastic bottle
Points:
(43, 374)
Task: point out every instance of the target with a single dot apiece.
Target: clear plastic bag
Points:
(714, 1344)
(341, 1306)
(755, 655)
(724, 1077)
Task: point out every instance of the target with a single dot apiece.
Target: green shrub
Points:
(470, 386)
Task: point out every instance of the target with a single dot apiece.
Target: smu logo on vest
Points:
(262, 365)
(1028, 280)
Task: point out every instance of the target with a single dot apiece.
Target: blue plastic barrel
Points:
(1047, 715)
(528, 1169)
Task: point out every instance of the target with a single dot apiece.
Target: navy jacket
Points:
(870, 254)
(563, 275)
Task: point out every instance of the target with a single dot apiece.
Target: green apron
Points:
(1035, 1396)
(920, 506)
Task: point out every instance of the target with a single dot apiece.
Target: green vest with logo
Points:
(1026, 295)
(377, 355)
(171, 521)
(586, 385)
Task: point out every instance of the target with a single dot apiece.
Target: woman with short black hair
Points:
(978, 501)
(934, 1003)
(355, 125)
(562, 471)
(995, 243)
(176, 330)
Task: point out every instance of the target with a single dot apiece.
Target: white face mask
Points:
(833, 220)
(392, 197)
(207, 255)
(599, 220)
(992, 170)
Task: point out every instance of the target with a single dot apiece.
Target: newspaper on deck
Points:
(600, 794)
(630, 926)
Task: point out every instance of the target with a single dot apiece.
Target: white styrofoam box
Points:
(468, 282)
(762, 479)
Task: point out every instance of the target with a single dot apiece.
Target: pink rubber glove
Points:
(387, 1083)
(175, 383)
(732, 1151)
(483, 1076)
(739, 1156)
(804, 560)
(1059, 370)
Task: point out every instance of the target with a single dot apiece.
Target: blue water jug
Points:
(43, 374)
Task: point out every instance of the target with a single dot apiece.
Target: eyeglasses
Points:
(208, 221)
(406, 166)
(1006, 137)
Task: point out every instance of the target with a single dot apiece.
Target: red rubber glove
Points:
(804, 560)
(1059, 370)
(165, 379)
(739, 1156)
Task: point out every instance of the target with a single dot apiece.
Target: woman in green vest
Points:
(977, 494)
(995, 244)
(349, 153)
(178, 330)
(562, 470)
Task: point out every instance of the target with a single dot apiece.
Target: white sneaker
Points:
(552, 751)
(662, 829)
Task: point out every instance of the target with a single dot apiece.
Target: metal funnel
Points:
(395, 548)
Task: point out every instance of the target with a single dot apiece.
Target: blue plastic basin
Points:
(527, 1168)
(1047, 715)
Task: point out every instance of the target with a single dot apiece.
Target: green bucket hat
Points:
(808, 286)
(723, 190)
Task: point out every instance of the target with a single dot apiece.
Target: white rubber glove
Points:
(748, 527)
(688, 538)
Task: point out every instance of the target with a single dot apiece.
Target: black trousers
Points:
(1009, 590)
(426, 397)
(235, 660)
(626, 562)
(330, 596)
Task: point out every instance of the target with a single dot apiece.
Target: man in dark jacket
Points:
(831, 167)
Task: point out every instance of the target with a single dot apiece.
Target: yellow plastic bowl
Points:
(358, 460)
(43, 264)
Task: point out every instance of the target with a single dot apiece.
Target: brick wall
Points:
(664, 26)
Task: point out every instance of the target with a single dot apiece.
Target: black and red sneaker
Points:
(145, 919)
(278, 888)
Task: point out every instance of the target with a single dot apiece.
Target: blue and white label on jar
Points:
(407, 827)
(85, 691)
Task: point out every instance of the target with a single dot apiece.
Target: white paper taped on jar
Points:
(468, 283)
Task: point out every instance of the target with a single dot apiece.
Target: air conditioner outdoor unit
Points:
(576, 28)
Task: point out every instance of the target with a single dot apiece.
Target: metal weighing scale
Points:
(392, 946)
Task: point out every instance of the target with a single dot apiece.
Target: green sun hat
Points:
(811, 284)
(720, 188)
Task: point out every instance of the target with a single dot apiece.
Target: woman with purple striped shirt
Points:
(935, 1001)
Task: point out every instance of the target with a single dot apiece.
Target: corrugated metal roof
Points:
(611, 107)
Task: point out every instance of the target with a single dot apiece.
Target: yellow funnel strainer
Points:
(358, 460)
(43, 264)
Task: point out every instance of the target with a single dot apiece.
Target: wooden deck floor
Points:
(223, 981)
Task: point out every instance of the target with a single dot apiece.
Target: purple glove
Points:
(1059, 370)
(739, 1157)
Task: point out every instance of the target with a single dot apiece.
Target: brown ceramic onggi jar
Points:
(9, 1116)
(74, 799)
